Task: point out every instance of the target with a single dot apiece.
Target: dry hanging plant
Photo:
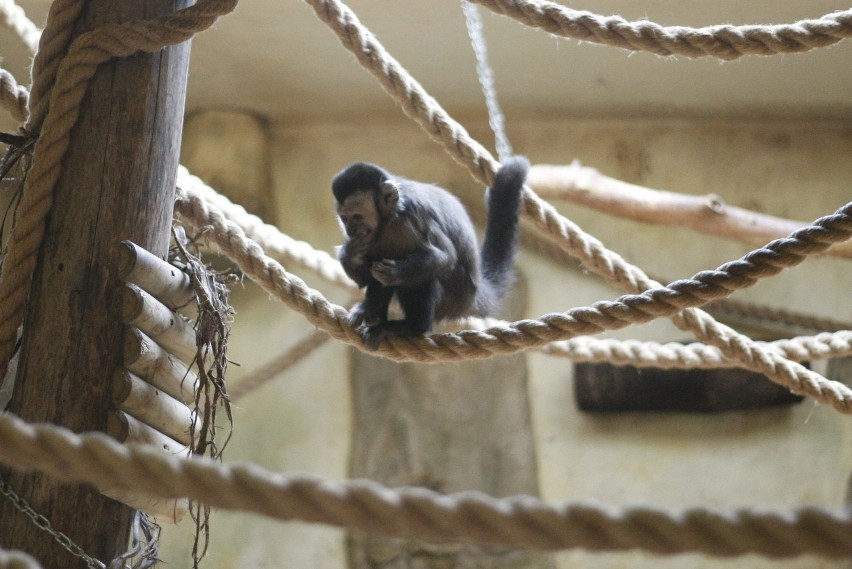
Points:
(212, 328)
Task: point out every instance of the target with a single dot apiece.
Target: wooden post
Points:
(117, 183)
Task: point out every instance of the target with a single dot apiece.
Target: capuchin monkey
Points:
(416, 241)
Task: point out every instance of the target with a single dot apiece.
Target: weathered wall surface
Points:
(771, 458)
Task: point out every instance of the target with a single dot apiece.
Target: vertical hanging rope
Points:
(486, 79)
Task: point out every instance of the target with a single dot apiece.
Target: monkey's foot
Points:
(364, 315)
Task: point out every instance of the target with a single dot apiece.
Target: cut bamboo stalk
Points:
(160, 279)
(169, 329)
(145, 358)
(128, 430)
(164, 510)
(153, 407)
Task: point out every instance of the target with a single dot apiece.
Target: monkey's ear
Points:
(389, 194)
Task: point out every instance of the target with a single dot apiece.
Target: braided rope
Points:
(77, 68)
(520, 521)
(53, 44)
(13, 97)
(723, 41)
(525, 334)
(14, 18)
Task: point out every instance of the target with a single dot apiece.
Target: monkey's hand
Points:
(353, 258)
(388, 272)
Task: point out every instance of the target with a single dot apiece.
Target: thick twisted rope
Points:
(52, 47)
(77, 68)
(525, 334)
(14, 18)
(520, 521)
(636, 353)
(723, 41)
(13, 97)
(282, 247)
(17, 560)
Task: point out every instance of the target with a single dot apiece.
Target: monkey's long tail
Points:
(501, 232)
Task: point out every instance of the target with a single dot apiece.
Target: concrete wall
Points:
(770, 458)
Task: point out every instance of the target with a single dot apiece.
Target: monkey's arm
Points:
(353, 257)
(435, 257)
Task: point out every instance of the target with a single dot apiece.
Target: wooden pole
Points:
(708, 214)
(117, 183)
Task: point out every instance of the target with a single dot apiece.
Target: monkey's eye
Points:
(357, 217)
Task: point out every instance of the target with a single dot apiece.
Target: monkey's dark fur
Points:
(416, 241)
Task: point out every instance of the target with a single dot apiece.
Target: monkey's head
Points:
(366, 196)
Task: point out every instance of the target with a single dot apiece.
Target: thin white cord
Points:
(486, 79)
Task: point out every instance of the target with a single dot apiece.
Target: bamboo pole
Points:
(116, 182)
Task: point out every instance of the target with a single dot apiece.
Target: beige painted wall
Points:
(775, 458)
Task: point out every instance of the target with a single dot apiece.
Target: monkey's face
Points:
(358, 216)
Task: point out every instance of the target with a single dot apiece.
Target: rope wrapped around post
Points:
(72, 78)
(520, 521)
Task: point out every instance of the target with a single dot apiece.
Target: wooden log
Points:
(169, 329)
(145, 358)
(117, 182)
(165, 511)
(153, 407)
(707, 214)
(160, 279)
(129, 430)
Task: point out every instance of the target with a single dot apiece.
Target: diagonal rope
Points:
(722, 41)
(77, 68)
(13, 97)
(14, 18)
(52, 47)
(519, 521)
